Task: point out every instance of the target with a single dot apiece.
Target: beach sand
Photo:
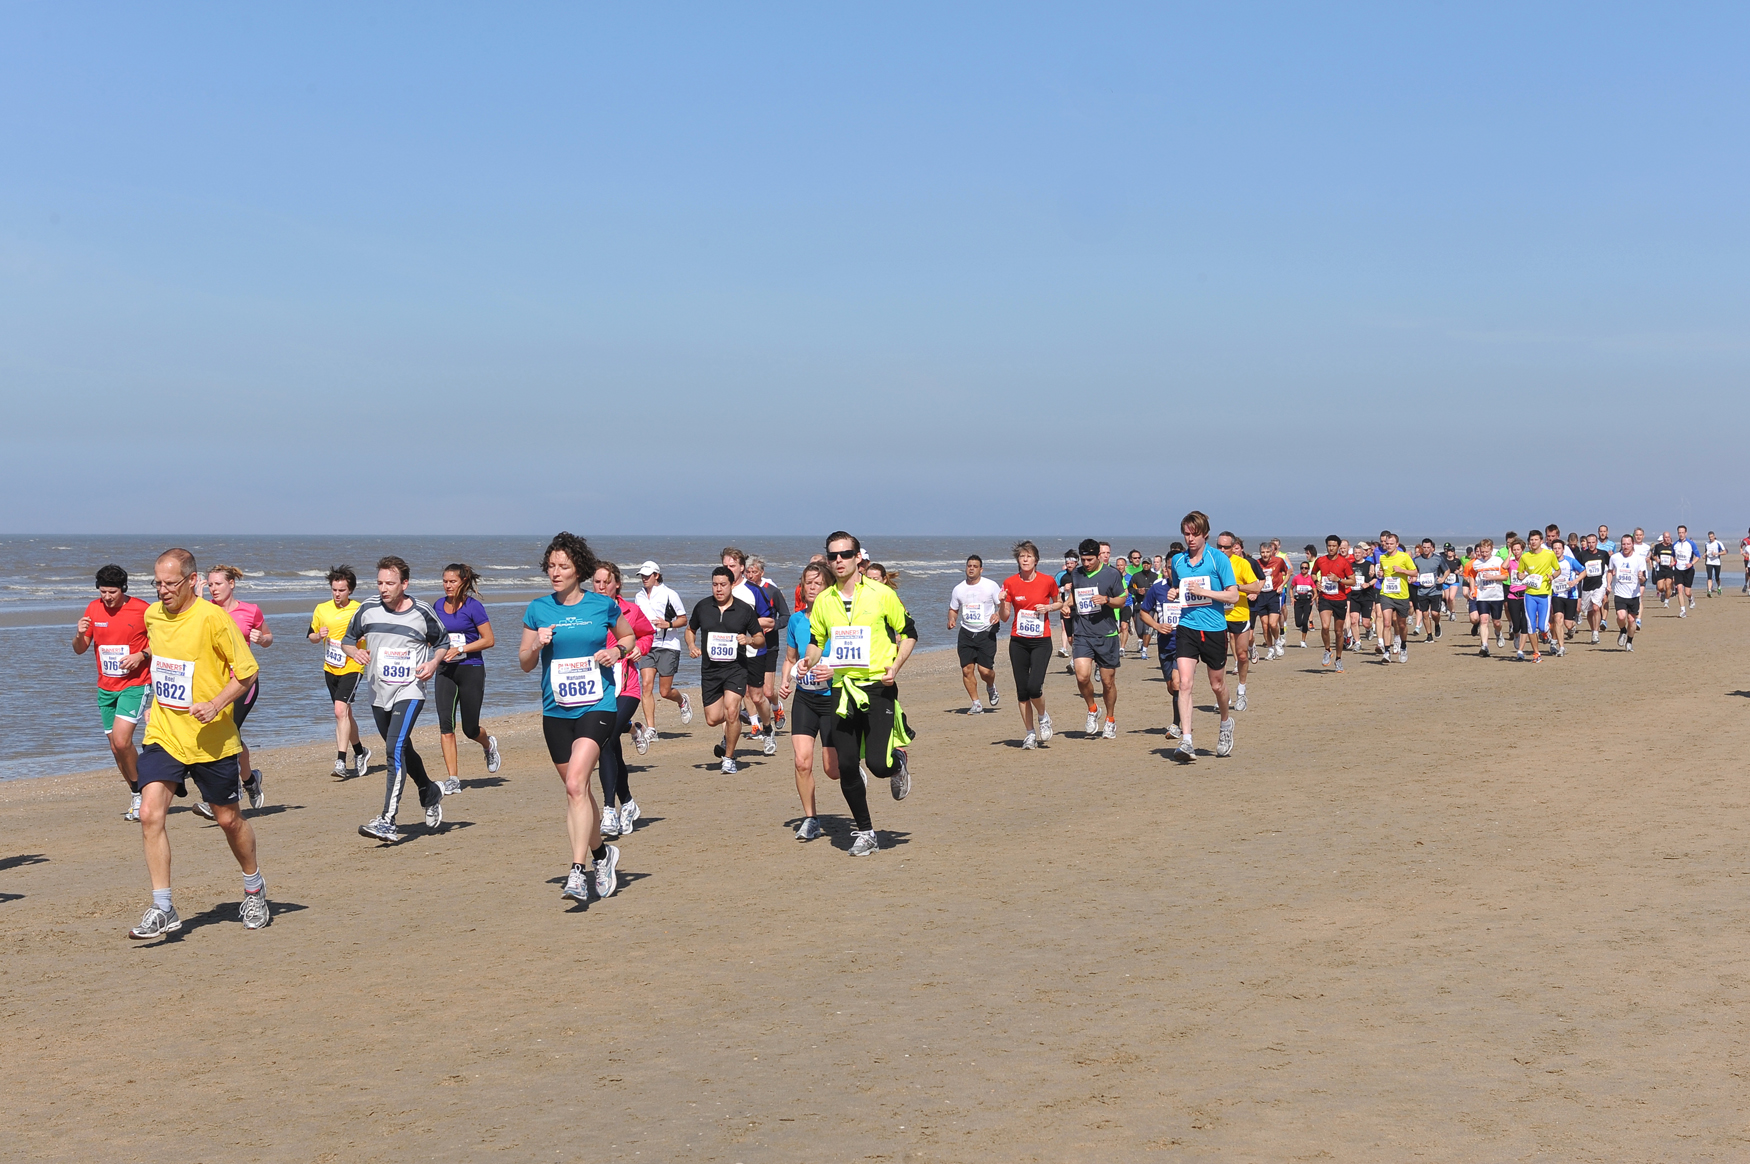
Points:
(1454, 910)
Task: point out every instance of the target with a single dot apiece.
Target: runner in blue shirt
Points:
(1206, 588)
(1159, 611)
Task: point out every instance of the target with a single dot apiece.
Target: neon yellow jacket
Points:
(874, 605)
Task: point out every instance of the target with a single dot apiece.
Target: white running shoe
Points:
(639, 739)
(975, 709)
(865, 844)
(605, 881)
(1185, 753)
(1030, 743)
(1045, 727)
(1630, 646)
(1403, 655)
(155, 923)
(252, 789)
(1092, 728)
(339, 769)
(1110, 731)
(493, 759)
(808, 829)
(361, 761)
(1224, 744)
(203, 810)
(380, 829)
(1682, 612)
(1327, 661)
(133, 812)
(1239, 701)
(434, 813)
(900, 782)
(729, 768)
(629, 814)
(1621, 638)
(1594, 636)
(451, 787)
(1174, 731)
(771, 745)
(576, 885)
(610, 822)
(990, 689)
(686, 708)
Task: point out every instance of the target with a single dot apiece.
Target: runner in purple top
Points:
(461, 676)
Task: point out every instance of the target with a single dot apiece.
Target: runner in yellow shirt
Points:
(339, 670)
(1397, 573)
(1537, 567)
(1239, 615)
(200, 666)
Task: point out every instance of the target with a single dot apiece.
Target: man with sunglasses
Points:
(200, 666)
(1091, 605)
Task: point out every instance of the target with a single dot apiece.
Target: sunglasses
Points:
(842, 554)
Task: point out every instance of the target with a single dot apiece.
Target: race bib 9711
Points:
(849, 646)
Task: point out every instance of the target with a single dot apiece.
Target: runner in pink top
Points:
(628, 691)
(252, 625)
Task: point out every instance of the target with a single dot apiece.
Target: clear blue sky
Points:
(484, 269)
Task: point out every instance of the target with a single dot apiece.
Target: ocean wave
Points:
(312, 573)
(507, 567)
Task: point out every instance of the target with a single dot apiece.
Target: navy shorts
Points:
(217, 779)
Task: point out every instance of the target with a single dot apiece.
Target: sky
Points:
(903, 269)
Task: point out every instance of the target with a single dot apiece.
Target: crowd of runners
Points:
(184, 666)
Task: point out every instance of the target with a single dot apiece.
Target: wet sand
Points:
(1461, 909)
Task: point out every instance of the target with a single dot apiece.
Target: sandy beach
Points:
(1460, 909)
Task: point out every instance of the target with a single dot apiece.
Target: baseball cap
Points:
(647, 569)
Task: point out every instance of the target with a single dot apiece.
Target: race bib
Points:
(1167, 613)
(1303, 588)
(1594, 569)
(973, 616)
(720, 646)
(1393, 587)
(1424, 579)
(394, 666)
(1085, 599)
(1533, 581)
(457, 642)
(173, 683)
(1191, 593)
(1029, 624)
(849, 646)
(1683, 557)
(805, 680)
(110, 661)
(1664, 559)
(332, 655)
(1490, 592)
(1564, 581)
(1329, 585)
(576, 682)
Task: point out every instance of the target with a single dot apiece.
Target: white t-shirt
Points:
(977, 603)
(1715, 550)
(660, 601)
(1626, 574)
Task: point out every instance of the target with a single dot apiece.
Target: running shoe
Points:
(610, 822)
(203, 809)
(1536, 656)
(808, 830)
(629, 814)
(1485, 651)
(729, 768)
(1045, 727)
(900, 782)
(493, 759)
(1560, 651)
(1252, 654)
(254, 912)
(1337, 666)
(1142, 653)
(1630, 646)
(865, 844)
(1403, 655)
(1185, 753)
(1174, 731)
(1092, 728)
(431, 798)
(1327, 661)
(381, 829)
(252, 789)
(133, 812)
(1239, 701)
(1594, 636)
(1063, 654)
(686, 708)
(771, 747)
(605, 881)
(1110, 731)
(1621, 638)
(639, 740)
(361, 761)
(339, 768)
(155, 923)
(451, 786)
(1428, 638)
(1637, 623)
(576, 886)
(1682, 612)
(1030, 743)
(991, 690)
(1224, 743)
(975, 709)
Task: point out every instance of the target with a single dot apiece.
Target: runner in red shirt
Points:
(1333, 572)
(116, 625)
(1028, 597)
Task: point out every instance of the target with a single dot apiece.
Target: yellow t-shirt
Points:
(336, 620)
(1243, 573)
(1393, 585)
(1544, 565)
(194, 654)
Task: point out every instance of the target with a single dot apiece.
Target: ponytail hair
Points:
(470, 579)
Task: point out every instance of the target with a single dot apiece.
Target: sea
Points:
(49, 719)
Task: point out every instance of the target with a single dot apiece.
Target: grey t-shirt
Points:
(1435, 565)
(399, 643)
(1104, 621)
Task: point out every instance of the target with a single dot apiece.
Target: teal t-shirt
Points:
(579, 631)
(1218, 573)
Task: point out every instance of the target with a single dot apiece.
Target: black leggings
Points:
(613, 763)
(1713, 575)
(1516, 616)
(1303, 614)
(396, 726)
(1030, 658)
(460, 687)
(873, 726)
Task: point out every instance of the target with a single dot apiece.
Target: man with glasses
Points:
(1205, 585)
(1090, 605)
(200, 666)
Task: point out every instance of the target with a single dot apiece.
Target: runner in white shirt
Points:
(1714, 553)
(1628, 577)
(1642, 549)
(663, 607)
(972, 609)
(1683, 556)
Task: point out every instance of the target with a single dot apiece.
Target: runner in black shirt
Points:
(727, 625)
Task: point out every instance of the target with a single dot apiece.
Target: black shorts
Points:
(1361, 602)
(812, 714)
(1239, 628)
(1426, 602)
(1568, 608)
(755, 669)
(1207, 647)
(716, 678)
(561, 733)
(217, 780)
(1627, 605)
(1029, 658)
(1662, 573)
(769, 662)
(1268, 602)
(1337, 606)
(978, 647)
(1686, 577)
(341, 687)
(1488, 608)
(245, 703)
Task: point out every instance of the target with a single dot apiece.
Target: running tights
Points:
(459, 688)
(396, 726)
(615, 787)
(865, 731)
(1030, 658)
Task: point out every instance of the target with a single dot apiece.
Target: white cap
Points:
(647, 569)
